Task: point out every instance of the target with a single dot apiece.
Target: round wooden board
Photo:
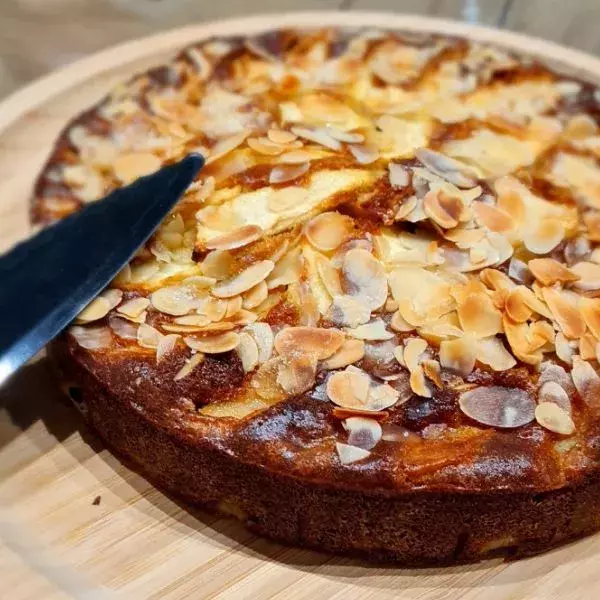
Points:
(75, 522)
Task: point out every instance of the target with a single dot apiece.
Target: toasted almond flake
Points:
(296, 374)
(295, 157)
(214, 344)
(493, 218)
(587, 346)
(350, 454)
(123, 327)
(264, 381)
(458, 355)
(225, 146)
(589, 276)
(498, 406)
(382, 396)
(203, 329)
(234, 306)
(174, 300)
(397, 323)
(399, 175)
(564, 350)
(478, 316)
(263, 336)
(321, 343)
(254, 296)
(329, 275)
(406, 208)
(567, 316)
(278, 136)
(399, 355)
(545, 237)
(348, 311)
(318, 136)
(590, 311)
(363, 432)
(348, 353)
(550, 391)
(517, 336)
(448, 168)
(432, 371)
(349, 389)
(189, 366)
(363, 276)
(328, 230)
(491, 352)
(195, 320)
(236, 239)
(91, 338)
(443, 209)
(348, 137)
(549, 271)
(128, 167)
(287, 270)
(97, 309)
(552, 417)
(134, 308)
(287, 172)
(418, 384)
(495, 279)
(242, 317)
(148, 336)
(364, 155)
(217, 264)
(587, 382)
(247, 350)
(214, 309)
(247, 279)
(414, 348)
(166, 345)
(516, 307)
(373, 331)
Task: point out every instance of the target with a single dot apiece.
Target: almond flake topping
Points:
(328, 230)
(321, 343)
(350, 454)
(498, 406)
(244, 281)
(91, 338)
(552, 417)
(236, 239)
(551, 391)
(348, 353)
(189, 366)
(362, 432)
(214, 344)
(363, 276)
(549, 271)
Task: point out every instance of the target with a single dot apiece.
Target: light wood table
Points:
(74, 521)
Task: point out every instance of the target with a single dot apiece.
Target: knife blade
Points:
(48, 279)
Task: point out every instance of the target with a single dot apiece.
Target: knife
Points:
(47, 280)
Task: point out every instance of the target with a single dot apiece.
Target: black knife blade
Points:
(47, 280)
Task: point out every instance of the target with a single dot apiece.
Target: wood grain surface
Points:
(77, 523)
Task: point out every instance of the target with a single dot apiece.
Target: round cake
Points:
(371, 325)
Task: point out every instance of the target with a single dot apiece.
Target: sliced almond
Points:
(567, 316)
(350, 454)
(458, 355)
(563, 348)
(124, 328)
(498, 406)
(349, 389)
(347, 311)
(225, 146)
(264, 381)
(350, 352)
(255, 296)
(236, 239)
(189, 366)
(414, 349)
(247, 350)
(589, 276)
(517, 337)
(493, 218)
(296, 374)
(478, 316)
(448, 168)
(134, 308)
(193, 320)
(552, 372)
(329, 275)
(399, 175)
(545, 237)
(97, 309)
(516, 307)
(328, 230)
(491, 352)
(373, 331)
(263, 336)
(587, 346)
(91, 338)
(214, 344)
(418, 383)
(245, 280)
(364, 276)
(550, 391)
(587, 381)
(432, 371)
(318, 136)
(363, 432)
(174, 300)
(552, 417)
(443, 209)
(278, 136)
(549, 271)
(131, 166)
(287, 172)
(148, 336)
(321, 343)
(398, 323)
(295, 157)
(166, 345)
(217, 264)
(287, 270)
(364, 155)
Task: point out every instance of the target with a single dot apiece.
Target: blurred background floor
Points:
(37, 36)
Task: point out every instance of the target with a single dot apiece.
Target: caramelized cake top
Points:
(389, 261)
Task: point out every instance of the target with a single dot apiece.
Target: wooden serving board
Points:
(75, 522)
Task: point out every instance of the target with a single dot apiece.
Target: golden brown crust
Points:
(379, 336)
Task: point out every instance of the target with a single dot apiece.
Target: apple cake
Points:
(371, 325)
